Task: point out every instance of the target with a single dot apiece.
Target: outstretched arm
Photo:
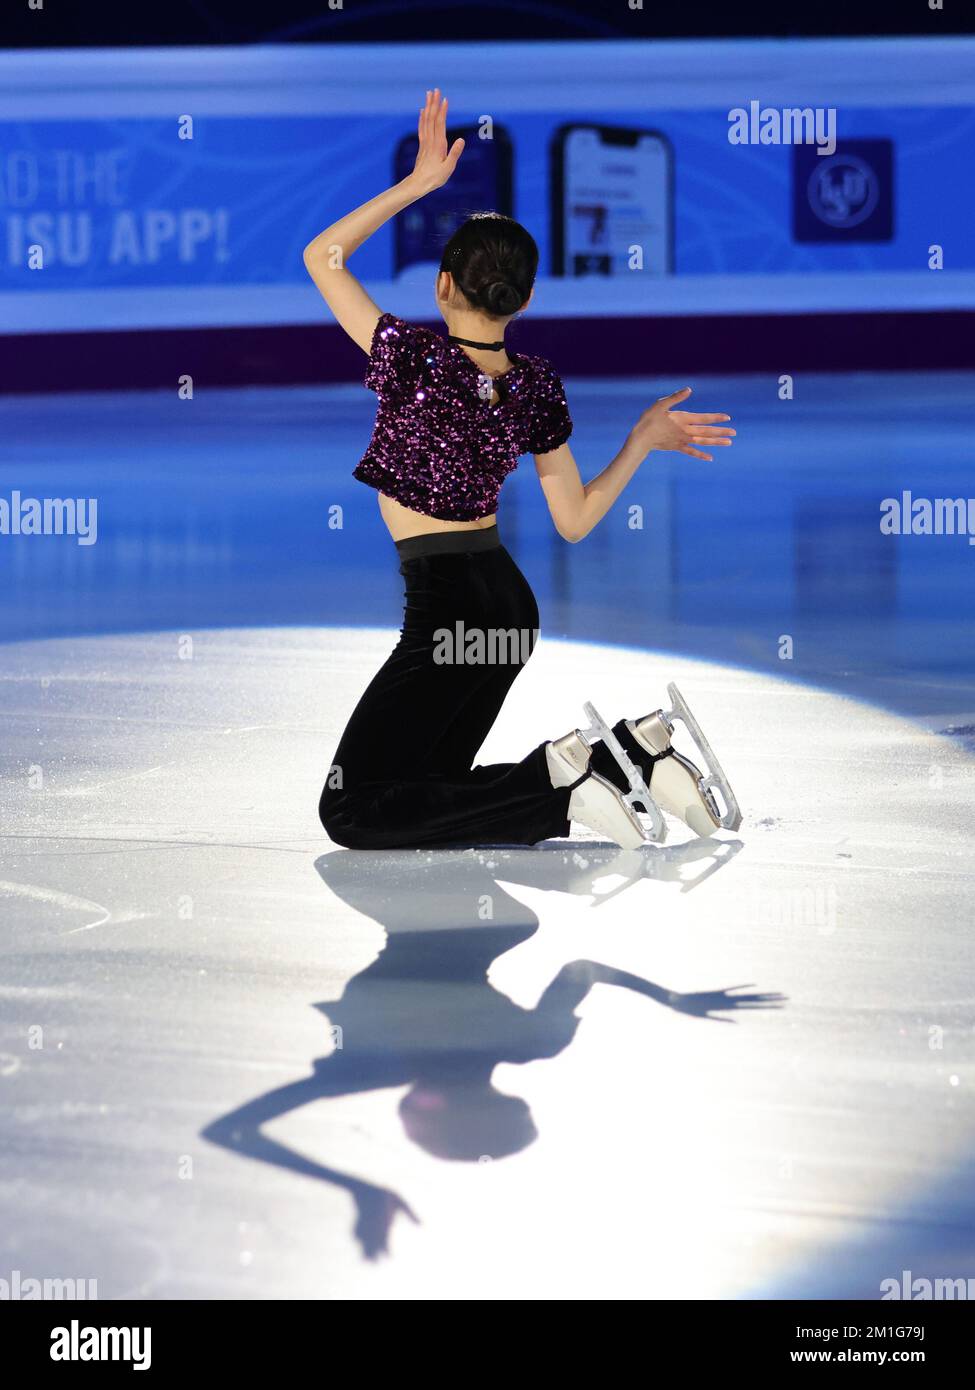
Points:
(241, 1131)
(326, 256)
(574, 981)
(577, 507)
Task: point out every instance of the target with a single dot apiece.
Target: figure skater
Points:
(454, 417)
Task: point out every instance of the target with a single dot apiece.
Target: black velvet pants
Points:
(403, 775)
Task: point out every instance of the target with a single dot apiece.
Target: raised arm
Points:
(326, 256)
(574, 981)
(576, 507)
(241, 1132)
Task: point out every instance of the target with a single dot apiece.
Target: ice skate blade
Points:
(730, 818)
(639, 791)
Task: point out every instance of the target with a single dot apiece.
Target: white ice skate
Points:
(639, 793)
(594, 802)
(676, 783)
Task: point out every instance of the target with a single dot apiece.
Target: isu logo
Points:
(843, 190)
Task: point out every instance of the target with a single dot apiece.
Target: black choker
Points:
(467, 342)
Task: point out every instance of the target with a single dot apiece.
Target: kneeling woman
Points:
(455, 414)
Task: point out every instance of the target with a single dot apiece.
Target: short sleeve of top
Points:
(550, 423)
(393, 357)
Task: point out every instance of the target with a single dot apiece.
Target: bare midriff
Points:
(402, 522)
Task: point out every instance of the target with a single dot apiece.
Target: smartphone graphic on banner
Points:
(482, 182)
(612, 188)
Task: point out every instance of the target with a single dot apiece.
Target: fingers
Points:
(714, 432)
(695, 453)
(705, 419)
(675, 396)
(432, 125)
(428, 115)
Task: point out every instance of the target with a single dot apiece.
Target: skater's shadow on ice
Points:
(423, 1014)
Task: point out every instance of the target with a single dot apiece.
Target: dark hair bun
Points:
(499, 297)
(493, 261)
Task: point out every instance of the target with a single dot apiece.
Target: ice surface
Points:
(180, 940)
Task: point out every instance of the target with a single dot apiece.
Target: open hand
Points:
(677, 431)
(376, 1209)
(434, 162)
(708, 1003)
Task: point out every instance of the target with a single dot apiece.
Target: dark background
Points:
(110, 23)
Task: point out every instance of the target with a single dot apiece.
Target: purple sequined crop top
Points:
(439, 447)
